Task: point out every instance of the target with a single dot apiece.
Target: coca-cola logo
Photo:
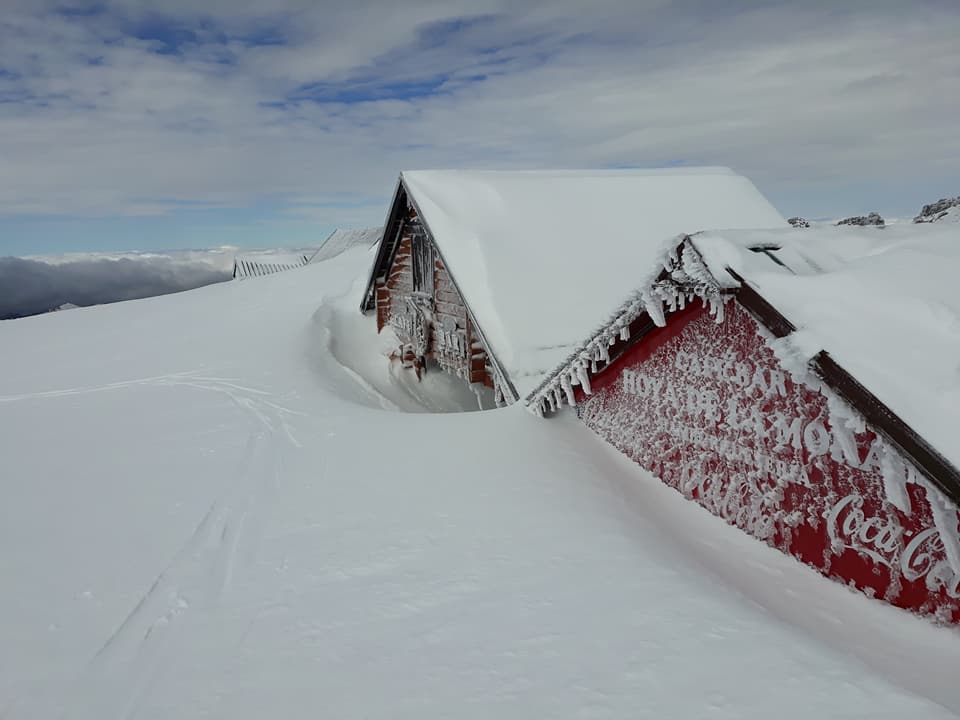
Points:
(881, 539)
(924, 557)
(849, 527)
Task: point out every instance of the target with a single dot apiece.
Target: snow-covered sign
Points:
(536, 257)
(257, 264)
(802, 386)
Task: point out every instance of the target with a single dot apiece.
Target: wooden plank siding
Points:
(446, 307)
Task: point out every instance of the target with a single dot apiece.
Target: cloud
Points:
(124, 109)
(32, 286)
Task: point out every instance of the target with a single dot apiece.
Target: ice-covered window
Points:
(422, 251)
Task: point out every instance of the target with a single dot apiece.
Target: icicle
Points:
(567, 384)
(894, 475)
(654, 307)
(671, 260)
(945, 520)
(584, 378)
(479, 397)
(625, 333)
(498, 393)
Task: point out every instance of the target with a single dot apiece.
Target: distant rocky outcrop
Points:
(940, 210)
(799, 222)
(871, 219)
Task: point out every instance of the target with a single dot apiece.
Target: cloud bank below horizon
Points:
(32, 286)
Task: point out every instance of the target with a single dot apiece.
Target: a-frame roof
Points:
(873, 314)
(540, 255)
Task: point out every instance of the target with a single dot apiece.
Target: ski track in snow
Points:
(132, 659)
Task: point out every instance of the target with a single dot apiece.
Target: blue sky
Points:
(127, 124)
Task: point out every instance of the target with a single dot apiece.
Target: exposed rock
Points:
(799, 222)
(871, 219)
(938, 210)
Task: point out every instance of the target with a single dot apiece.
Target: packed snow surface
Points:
(542, 256)
(883, 303)
(212, 508)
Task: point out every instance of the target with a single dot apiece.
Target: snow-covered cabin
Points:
(804, 385)
(496, 276)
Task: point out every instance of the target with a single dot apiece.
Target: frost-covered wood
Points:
(712, 412)
(682, 277)
(423, 307)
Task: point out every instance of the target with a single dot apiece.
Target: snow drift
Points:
(206, 513)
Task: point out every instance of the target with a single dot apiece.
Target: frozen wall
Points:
(706, 407)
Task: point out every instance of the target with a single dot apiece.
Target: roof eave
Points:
(880, 417)
(384, 252)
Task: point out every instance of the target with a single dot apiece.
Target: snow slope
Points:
(209, 510)
(541, 256)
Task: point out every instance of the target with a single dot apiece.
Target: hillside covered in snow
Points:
(226, 503)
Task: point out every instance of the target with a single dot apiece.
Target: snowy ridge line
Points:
(681, 277)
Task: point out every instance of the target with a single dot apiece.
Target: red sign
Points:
(708, 408)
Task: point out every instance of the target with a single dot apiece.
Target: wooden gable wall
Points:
(431, 323)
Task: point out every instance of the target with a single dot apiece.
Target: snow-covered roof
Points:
(341, 240)
(539, 256)
(883, 303)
